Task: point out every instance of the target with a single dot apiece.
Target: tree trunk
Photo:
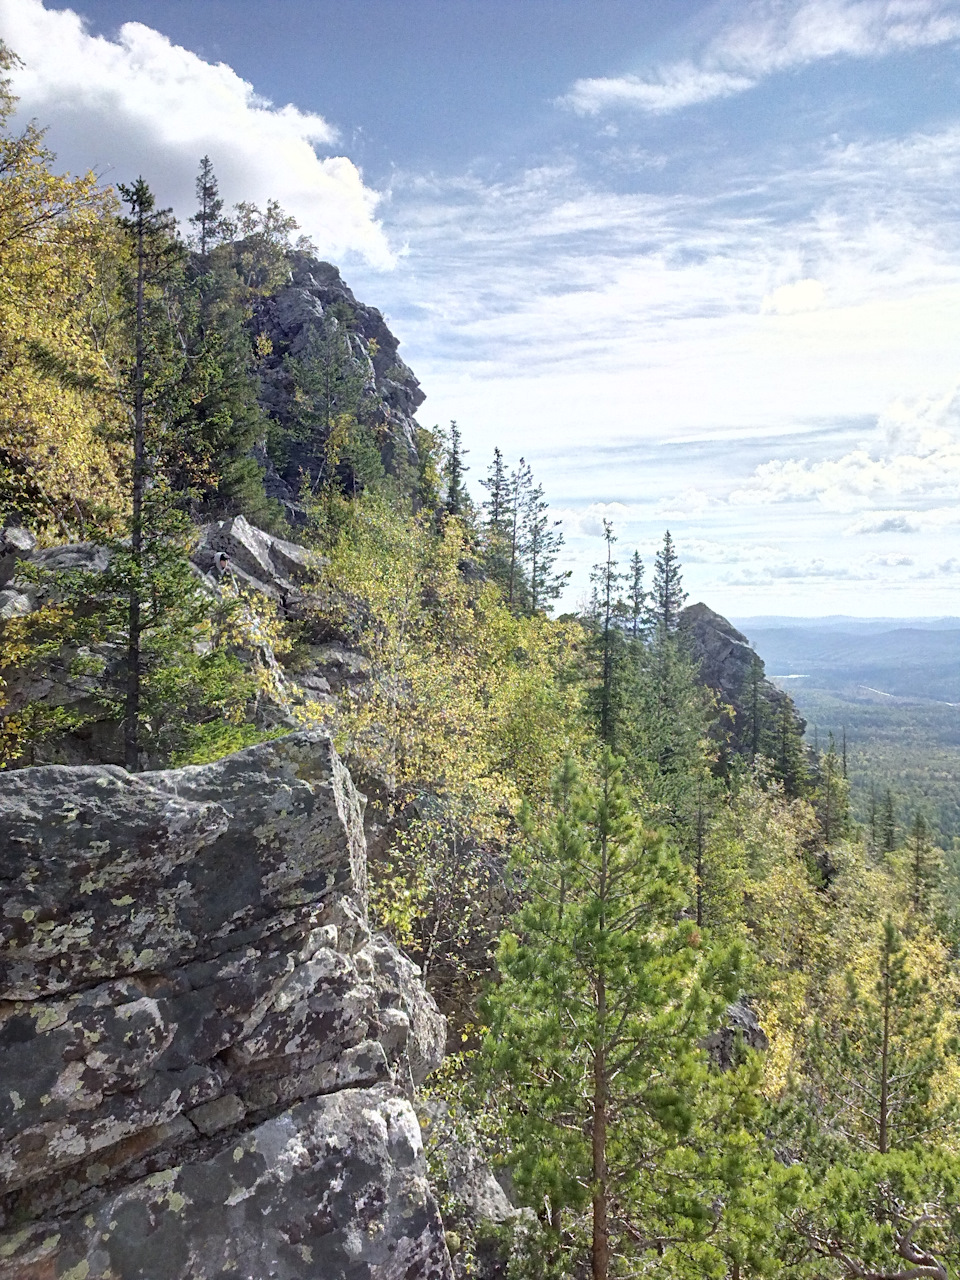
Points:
(600, 1252)
(131, 719)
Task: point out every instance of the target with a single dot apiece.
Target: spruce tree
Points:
(543, 541)
(458, 497)
(608, 693)
(667, 595)
(208, 219)
(518, 489)
(888, 823)
(498, 522)
(636, 597)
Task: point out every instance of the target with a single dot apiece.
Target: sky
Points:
(698, 262)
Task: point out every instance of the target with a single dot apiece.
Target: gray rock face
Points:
(256, 559)
(726, 664)
(204, 1054)
(741, 1030)
(392, 393)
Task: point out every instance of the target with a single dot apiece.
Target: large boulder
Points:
(188, 989)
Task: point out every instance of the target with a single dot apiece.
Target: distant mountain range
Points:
(860, 658)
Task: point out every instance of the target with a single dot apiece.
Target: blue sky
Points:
(700, 263)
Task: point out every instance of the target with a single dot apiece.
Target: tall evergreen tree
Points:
(888, 823)
(596, 1025)
(636, 597)
(208, 219)
(519, 485)
(458, 497)
(875, 1131)
(606, 616)
(543, 541)
(667, 595)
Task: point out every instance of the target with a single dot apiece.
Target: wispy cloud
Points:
(140, 103)
(774, 36)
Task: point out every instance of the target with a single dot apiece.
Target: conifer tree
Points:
(519, 485)
(757, 708)
(543, 541)
(636, 597)
(458, 498)
(667, 595)
(922, 864)
(831, 795)
(608, 694)
(876, 1128)
(788, 756)
(596, 1024)
(498, 525)
(888, 823)
(208, 219)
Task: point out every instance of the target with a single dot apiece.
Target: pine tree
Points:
(875, 1126)
(667, 596)
(595, 1026)
(208, 219)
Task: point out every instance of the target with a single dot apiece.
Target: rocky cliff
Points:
(206, 1059)
(317, 316)
(729, 666)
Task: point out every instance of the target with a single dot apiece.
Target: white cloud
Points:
(914, 454)
(775, 36)
(891, 561)
(141, 104)
(681, 85)
(793, 299)
(685, 505)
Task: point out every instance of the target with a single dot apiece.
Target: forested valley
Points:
(702, 1021)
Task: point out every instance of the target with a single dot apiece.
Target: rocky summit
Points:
(207, 1060)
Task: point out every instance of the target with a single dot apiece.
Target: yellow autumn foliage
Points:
(57, 466)
(465, 702)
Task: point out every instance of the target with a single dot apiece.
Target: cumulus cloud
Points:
(688, 503)
(891, 561)
(775, 36)
(587, 522)
(885, 522)
(792, 299)
(915, 454)
(141, 104)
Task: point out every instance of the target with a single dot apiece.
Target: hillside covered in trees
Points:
(701, 1021)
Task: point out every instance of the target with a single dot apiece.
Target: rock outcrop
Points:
(206, 1061)
(728, 666)
(315, 304)
(232, 552)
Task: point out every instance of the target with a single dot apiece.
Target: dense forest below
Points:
(702, 1009)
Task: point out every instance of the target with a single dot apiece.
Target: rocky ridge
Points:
(315, 301)
(726, 665)
(207, 1058)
